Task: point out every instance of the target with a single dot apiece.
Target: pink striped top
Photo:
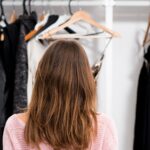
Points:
(13, 138)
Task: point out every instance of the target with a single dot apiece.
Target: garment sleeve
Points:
(110, 141)
(7, 141)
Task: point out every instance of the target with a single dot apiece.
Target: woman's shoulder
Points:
(104, 119)
(15, 121)
(20, 119)
(106, 124)
(107, 130)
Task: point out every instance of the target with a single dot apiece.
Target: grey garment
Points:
(2, 95)
(27, 23)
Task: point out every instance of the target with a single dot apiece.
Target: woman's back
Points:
(13, 139)
(62, 111)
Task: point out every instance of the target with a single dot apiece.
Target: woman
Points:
(61, 115)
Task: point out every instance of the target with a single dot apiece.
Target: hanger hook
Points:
(25, 12)
(2, 9)
(69, 6)
(29, 6)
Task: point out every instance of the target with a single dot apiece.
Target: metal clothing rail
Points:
(133, 3)
(128, 3)
(57, 3)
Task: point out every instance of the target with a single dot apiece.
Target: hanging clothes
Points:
(8, 49)
(1, 137)
(3, 93)
(2, 97)
(8, 56)
(13, 68)
(27, 23)
(142, 122)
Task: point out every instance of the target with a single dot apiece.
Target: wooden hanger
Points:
(13, 16)
(44, 25)
(32, 33)
(77, 36)
(77, 16)
(37, 29)
(147, 37)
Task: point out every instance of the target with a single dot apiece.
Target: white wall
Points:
(127, 62)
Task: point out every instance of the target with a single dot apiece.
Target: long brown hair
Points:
(62, 108)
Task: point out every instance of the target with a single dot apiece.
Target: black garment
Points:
(8, 53)
(1, 138)
(13, 46)
(142, 122)
(27, 23)
(3, 93)
(7, 60)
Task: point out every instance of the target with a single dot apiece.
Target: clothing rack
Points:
(109, 5)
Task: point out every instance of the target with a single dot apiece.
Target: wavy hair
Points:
(62, 109)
